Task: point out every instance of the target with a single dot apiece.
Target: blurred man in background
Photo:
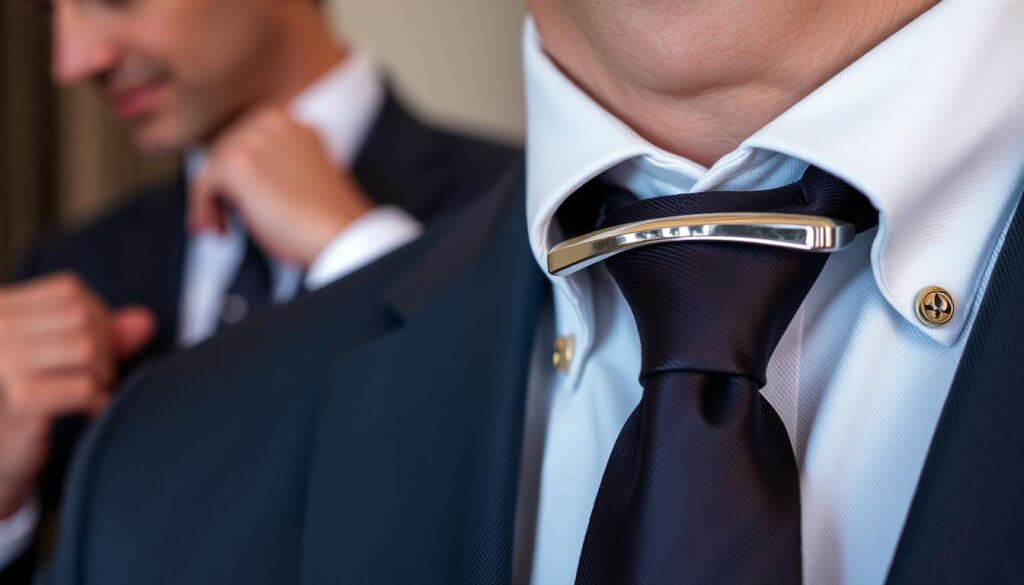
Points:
(301, 168)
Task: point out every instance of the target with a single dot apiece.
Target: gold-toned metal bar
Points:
(801, 232)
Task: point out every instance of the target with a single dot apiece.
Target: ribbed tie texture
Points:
(702, 483)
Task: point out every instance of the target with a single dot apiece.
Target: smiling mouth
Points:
(136, 101)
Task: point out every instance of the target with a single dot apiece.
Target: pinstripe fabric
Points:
(965, 522)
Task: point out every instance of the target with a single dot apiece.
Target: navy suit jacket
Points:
(135, 255)
(370, 433)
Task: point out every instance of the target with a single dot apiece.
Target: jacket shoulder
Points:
(215, 441)
(477, 161)
(425, 169)
(489, 154)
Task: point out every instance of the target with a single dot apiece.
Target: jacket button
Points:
(234, 309)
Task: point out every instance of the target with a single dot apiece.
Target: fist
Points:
(276, 174)
(59, 350)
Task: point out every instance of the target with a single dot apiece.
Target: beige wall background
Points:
(457, 59)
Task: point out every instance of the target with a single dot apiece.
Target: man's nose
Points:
(81, 48)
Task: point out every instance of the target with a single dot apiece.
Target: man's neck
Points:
(305, 54)
(725, 90)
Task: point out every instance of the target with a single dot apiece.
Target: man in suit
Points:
(458, 413)
(270, 112)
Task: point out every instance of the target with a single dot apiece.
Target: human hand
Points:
(275, 173)
(59, 351)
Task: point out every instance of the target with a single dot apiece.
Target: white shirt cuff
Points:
(369, 238)
(16, 532)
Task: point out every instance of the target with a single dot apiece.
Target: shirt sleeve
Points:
(16, 533)
(369, 238)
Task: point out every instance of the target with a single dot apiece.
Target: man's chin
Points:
(153, 138)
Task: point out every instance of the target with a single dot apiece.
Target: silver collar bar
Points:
(800, 232)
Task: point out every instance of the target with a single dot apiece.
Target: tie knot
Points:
(721, 307)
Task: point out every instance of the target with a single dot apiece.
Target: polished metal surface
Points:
(800, 232)
(935, 306)
(561, 358)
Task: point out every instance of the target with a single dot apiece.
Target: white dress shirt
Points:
(341, 107)
(928, 126)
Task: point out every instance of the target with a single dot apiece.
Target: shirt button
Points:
(562, 356)
(234, 309)
(935, 306)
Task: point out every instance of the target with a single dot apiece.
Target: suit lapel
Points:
(170, 238)
(964, 524)
(403, 162)
(435, 406)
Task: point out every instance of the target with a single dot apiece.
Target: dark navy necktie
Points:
(702, 484)
(250, 291)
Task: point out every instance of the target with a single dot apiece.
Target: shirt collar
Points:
(341, 106)
(928, 129)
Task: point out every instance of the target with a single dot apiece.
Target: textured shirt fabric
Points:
(937, 146)
(16, 532)
(341, 108)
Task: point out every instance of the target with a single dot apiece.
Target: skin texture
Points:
(697, 77)
(59, 346)
(197, 63)
(216, 73)
(249, 162)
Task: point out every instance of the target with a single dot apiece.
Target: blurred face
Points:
(174, 71)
